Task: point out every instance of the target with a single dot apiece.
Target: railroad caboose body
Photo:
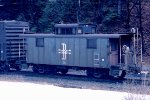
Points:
(98, 54)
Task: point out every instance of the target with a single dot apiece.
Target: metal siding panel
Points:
(47, 49)
(46, 52)
(104, 53)
(30, 51)
(30, 47)
(99, 49)
(64, 41)
(71, 45)
(51, 49)
(34, 51)
(41, 55)
(83, 52)
(89, 58)
(55, 53)
(76, 52)
(58, 56)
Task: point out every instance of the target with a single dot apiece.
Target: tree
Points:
(57, 12)
(51, 15)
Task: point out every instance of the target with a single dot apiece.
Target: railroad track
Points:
(71, 80)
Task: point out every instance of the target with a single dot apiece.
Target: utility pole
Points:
(140, 24)
(128, 14)
(137, 7)
(78, 11)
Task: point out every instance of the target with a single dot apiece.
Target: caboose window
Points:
(79, 30)
(93, 30)
(59, 32)
(66, 31)
(92, 43)
(114, 44)
(39, 42)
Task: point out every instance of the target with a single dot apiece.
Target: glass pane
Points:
(92, 43)
(40, 42)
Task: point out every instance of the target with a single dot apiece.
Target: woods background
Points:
(110, 15)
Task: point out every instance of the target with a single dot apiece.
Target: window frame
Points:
(114, 44)
(93, 30)
(92, 43)
(39, 42)
(79, 30)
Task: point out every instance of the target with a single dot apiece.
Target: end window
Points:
(93, 30)
(114, 44)
(39, 42)
(79, 30)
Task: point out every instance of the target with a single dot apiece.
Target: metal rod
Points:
(19, 50)
(78, 10)
(134, 50)
(141, 53)
(137, 32)
(120, 49)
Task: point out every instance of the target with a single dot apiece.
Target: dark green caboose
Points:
(98, 54)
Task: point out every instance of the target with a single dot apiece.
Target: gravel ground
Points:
(75, 79)
(30, 91)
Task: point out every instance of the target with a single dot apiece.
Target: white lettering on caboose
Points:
(64, 51)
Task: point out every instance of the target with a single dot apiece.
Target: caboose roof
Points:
(75, 36)
(72, 25)
(66, 25)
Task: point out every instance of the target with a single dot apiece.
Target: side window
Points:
(39, 42)
(91, 43)
(93, 30)
(63, 31)
(79, 31)
(68, 30)
(114, 44)
(59, 31)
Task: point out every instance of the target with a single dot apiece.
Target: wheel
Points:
(41, 70)
(4, 67)
(35, 69)
(64, 71)
(123, 74)
(7, 68)
(89, 73)
(96, 73)
(18, 68)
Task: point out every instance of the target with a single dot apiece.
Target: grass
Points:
(136, 91)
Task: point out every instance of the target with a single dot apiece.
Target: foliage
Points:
(109, 15)
(43, 14)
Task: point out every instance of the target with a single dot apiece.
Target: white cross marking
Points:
(64, 51)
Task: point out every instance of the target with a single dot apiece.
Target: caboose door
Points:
(114, 51)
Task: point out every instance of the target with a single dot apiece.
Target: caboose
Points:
(77, 46)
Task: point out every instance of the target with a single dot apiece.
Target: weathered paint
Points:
(77, 52)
